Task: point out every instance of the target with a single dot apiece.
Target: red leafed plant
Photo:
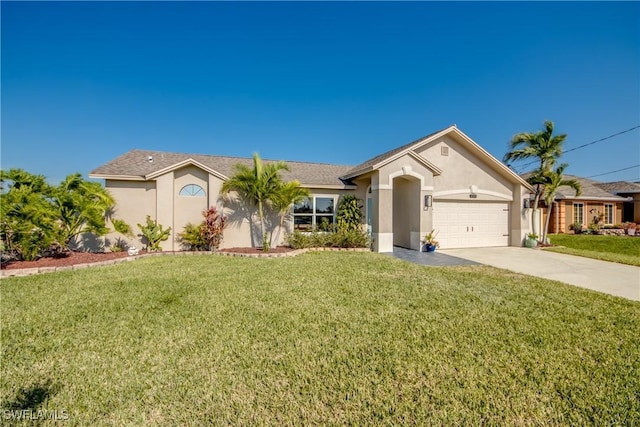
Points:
(212, 228)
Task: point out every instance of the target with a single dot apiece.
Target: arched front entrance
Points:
(406, 212)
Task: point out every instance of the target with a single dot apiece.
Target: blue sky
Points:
(336, 82)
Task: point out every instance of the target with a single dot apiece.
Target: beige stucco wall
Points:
(134, 201)
(187, 209)
(462, 169)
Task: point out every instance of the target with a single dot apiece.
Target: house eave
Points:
(329, 186)
(117, 177)
(587, 199)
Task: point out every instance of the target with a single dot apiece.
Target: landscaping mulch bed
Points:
(66, 259)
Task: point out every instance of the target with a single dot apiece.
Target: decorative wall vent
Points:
(444, 150)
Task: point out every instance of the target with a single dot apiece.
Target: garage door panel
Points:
(471, 224)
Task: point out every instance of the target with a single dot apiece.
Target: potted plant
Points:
(430, 243)
(531, 241)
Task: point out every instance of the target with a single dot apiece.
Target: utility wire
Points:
(584, 145)
(619, 170)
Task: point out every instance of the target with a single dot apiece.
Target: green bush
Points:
(330, 239)
(349, 216)
(154, 234)
(192, 239)
(206, 236)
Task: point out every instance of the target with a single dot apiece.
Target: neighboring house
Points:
(631, 192)
(444, 181)
(593, 201)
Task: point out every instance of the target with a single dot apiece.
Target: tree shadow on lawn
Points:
(31, 397)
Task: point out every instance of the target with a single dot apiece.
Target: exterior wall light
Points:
(428, 201)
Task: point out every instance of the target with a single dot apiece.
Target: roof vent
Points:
(150, 159)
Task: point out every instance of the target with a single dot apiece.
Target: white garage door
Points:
(471, 224)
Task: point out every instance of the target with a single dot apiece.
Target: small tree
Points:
(349, 216)
(257, 185)
(27, 221)
(80, 206)
(154, 234)
(543, 146)
(552, 182)
(285, 198)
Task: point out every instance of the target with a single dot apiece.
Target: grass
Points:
(321, 339)
(621, 249)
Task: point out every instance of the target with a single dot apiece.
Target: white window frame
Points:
(576, 211)
(609, 213)
(315, 216)
(188, 191)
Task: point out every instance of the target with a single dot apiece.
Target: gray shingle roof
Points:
(364, 166)
(135, 163)
(620, 187)
(590, 190)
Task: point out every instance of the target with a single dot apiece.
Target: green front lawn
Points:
(622, 249)
(325, 338)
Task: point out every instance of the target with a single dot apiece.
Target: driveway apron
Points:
(602, 276)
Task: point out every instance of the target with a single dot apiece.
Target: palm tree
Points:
(288, 195)
(555, 180)
(81, 206)
(544, 146)
(257, 185)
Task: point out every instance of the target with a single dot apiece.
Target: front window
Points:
(314, 213)
(578, 213)
(609, 214)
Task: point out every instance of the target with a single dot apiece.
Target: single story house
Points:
(594, 201)
(443, 181)
(630, 191)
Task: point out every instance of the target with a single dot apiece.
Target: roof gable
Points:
(389, 156)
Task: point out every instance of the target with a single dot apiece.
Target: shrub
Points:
(349, 216)
(191, 238)
(331, 239)
(212, 228)
(576, 227)
(154, 234)
(206, 236)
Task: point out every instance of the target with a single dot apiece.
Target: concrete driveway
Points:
(602, 276)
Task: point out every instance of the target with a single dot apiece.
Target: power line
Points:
(585, 145)
(619, 170)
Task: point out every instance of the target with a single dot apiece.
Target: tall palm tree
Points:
(555, 180)
(543, 146)
(288, 195)
(257, 185)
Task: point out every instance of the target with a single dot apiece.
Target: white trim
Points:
(503, 196)
(405, 170)
(118, 177)
(183, 163)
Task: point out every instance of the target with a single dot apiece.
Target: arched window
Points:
(192, 190)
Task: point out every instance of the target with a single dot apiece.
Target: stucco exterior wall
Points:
(462, 169)
(134, 201)
(188, 209)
